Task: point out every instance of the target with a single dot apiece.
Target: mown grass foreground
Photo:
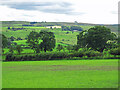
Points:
(60, 74)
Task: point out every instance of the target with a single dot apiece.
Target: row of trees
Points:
(12, 38)
(71, 28)
(14, 29)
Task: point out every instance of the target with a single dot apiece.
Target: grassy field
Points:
(61, 74)
(60, 36)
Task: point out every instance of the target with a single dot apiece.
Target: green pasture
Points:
(69, 38)
(86, 27)
(61, 36)
(60, 74)
(21, 42)
(19, 33)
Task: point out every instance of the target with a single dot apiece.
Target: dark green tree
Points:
(44, 41)
(82, 39)
(19, 49)
(95, 38)
(34, 41)
(76, 28)
(48, 41)
(4, 41)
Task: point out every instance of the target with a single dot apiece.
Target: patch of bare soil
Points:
(103, 68)
(60, 68)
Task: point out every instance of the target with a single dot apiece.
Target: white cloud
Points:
(86, 11)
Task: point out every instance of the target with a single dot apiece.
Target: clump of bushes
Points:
(9, 57)
(59, 55)
(115, 51)
(77, 54)
(92, 53)
(38, 57)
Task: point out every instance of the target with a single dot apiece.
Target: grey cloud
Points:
(40, 6)
(25, 5)
(47, 7)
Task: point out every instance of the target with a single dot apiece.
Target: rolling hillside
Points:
(23, 28)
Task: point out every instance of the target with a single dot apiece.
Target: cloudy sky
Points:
(86, 11)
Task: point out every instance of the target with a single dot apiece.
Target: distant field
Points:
(60, 36)
(86, 27)
(21, 42)
(60, 74)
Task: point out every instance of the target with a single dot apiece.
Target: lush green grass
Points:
(16, 34)
(86, 27)
(19, 42)
(60, 74)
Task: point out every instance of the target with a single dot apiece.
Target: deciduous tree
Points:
(95, 38)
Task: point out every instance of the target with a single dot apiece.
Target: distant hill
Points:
(113, 27)
(21, 29)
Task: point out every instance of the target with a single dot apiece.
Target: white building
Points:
(53, 26)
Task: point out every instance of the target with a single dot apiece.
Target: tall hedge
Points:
(52, 56)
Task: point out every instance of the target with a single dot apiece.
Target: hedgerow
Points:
(52, 56)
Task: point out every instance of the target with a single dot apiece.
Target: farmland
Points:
(57, 68)
(60, 35)
(61, 74)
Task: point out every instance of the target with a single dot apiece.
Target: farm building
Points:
(53, 26)
(75, 30)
